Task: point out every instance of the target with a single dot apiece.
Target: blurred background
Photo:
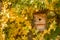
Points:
(19, 20)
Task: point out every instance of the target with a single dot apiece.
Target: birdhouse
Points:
(40, 20)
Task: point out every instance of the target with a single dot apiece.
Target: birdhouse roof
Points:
(41, 11)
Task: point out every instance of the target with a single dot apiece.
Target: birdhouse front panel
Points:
(40, 21)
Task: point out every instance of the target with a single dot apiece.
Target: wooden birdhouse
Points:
(40, 20)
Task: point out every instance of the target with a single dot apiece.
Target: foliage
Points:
(16, 19)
